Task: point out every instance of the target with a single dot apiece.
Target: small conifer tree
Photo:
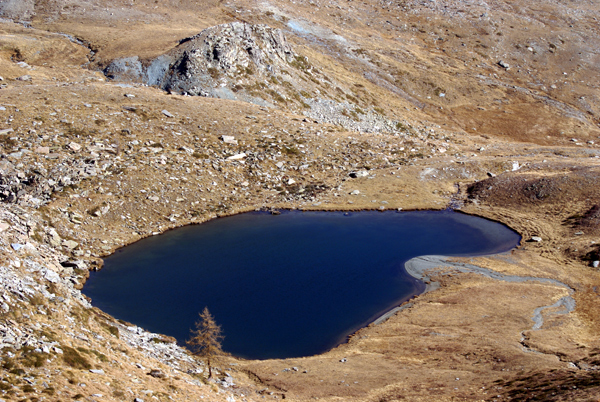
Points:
(206, 340)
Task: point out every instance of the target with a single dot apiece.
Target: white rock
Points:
(237, 157)
(596, 264)
(43, 150)
(75, 146)
(536, 238)
(70, 244)
(167, 113)
(355, 192)
(229, 139)
(291, 181)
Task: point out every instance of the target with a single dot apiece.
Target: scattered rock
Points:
(362, 173)
(596, 264)
(355, 192)
(24, 78)
(70, 244)
(237, 157)
(536, 239)
(156, 373)
(43, 150)
(504, 64)
(167, 113)
(229, 139)
(95, 371)
(75, 147)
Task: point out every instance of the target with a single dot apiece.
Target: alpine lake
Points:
(288, 285)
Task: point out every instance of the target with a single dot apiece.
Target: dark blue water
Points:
(289, 285)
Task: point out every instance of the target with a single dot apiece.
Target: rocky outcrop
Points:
(216, 58)
(223, 54)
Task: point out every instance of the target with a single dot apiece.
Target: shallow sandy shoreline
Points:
(418, 268)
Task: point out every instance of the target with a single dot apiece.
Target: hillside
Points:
(123, 119)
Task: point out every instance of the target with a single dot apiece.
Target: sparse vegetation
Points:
(74, 359)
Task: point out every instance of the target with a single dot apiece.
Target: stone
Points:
(504, 64)
(43, 150)
(596, 264)
(237, 157)
(355, 192)
(153, 198)
(291, 181)
(167, 113)
(362, 173)
(75, 147)
(53, 237)
(125, 69)
(3, 226)
(70, 244)
(24, 78)
(157, 373)
(76, 218)
(95, 371)
(344, 360)
(536, 239)
(229, 139)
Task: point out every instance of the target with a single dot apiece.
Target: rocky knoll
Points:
(222, 54)
(253, 63)
(218, 62)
